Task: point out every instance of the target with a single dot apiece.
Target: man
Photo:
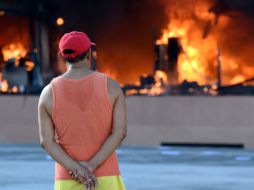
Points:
(82, 120)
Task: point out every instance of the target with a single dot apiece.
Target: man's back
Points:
(82, 116)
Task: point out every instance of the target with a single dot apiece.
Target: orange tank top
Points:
(82, 116)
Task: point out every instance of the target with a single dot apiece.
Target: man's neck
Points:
(79, 65)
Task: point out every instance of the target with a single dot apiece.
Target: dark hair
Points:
(76, 59)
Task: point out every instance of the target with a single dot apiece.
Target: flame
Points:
(14, 50)
(194, 26)
(14, 89)
(158, 88)
(4, 86)
(197, 52)
(237, 79)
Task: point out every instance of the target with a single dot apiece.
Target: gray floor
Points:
(27, 167)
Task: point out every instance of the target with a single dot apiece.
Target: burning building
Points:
(195, 46)
(23, 47)
(205, 49)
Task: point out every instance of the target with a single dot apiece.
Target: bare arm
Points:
(119, 125)
(46, 131)
(47, 139)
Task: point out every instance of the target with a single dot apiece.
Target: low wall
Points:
(18, 119)
(151, 120)
(195, 119)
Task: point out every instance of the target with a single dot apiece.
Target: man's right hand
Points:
(85, 176)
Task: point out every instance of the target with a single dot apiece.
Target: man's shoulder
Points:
(113, 86)
(46, 96)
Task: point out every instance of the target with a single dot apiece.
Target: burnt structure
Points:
(25, 30)
(173, 51)
(167, 58)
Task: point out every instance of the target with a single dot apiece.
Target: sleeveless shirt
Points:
(82, 117)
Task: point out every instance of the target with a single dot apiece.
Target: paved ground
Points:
(27, 167)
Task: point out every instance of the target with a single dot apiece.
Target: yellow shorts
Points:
(104, 183)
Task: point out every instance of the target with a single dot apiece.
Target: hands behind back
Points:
(84, 175)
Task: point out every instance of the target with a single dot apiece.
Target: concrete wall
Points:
(151, 120)
(18, 119)
(191, 120)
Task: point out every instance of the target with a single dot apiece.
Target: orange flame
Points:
(14, 50)
(194, 26)
(158, 88)
(4, 86)
(14, 89)
(161, 80)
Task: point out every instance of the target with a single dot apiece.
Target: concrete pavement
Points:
(27, 167)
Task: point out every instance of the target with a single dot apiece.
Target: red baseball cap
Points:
(76, 41)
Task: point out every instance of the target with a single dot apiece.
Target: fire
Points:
(158, 87)
(14, 89)
(197, 28)
(197, 52)
(4, 86)
(14, 51)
